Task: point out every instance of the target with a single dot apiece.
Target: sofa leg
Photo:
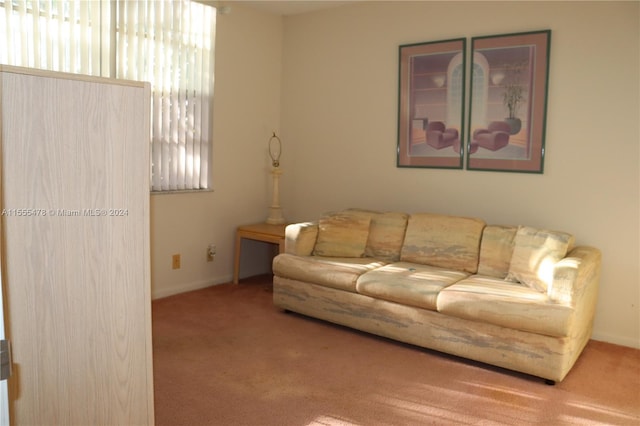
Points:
(549, 382)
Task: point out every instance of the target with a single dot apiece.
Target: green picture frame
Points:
(431, 100)
(508, 102)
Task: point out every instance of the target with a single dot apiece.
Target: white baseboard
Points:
(616, 340)
(185, 287)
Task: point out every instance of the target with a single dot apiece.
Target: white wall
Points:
(339, 121)
(246, 111)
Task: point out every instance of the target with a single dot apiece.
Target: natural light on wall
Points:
(169, 43)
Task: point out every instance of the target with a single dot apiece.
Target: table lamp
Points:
(275, 211)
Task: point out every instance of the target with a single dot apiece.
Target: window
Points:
(169, 43)
(480, 85)
(455, 95)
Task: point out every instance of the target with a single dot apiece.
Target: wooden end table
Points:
(264, 232)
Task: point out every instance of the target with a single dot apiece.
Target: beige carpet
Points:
(226, 356)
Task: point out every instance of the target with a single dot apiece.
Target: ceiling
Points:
(284, 8)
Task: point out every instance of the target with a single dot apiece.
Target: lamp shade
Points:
(275, 150)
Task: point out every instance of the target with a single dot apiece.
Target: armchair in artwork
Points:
(494, 137)
(438, 136)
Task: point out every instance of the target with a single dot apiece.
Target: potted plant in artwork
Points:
(513, 95)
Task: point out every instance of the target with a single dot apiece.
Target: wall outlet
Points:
(211, 252)
(175, 261)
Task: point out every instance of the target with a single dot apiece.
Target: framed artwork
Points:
(431, 104)
(508, 106)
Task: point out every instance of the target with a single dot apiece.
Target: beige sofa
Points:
(513, 296)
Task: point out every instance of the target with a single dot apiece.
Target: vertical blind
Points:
(52, 35)
(169, 43)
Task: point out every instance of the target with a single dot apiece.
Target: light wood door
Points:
(75, 200)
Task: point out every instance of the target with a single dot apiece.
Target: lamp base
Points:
(275, 216)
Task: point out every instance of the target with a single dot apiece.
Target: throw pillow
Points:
(496, 250)
(535, 254)
(386, 236)
(342, 234)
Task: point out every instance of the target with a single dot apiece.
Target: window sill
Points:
(181, 191)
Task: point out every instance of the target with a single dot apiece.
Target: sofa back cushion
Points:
(535, 255)
(496, 249)
(342, 234)
(443, 241)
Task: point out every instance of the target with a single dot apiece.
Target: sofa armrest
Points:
(478, 132)
(300, 238)
(575, 282)
(576, 275)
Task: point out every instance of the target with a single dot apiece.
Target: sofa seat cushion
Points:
(510, 305)
(408, 283)
(336, 272)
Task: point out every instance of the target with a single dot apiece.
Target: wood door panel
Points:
(75, 162)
